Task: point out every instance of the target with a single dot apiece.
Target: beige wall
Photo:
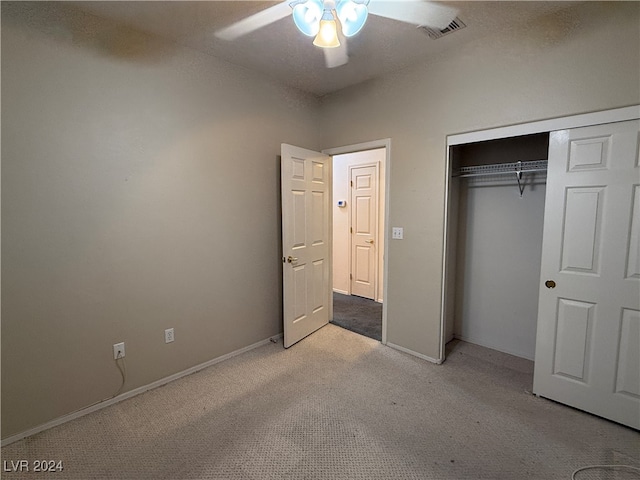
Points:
(341, 235)
(140, 191)
(584, 59)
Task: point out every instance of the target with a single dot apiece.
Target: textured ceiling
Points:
(281, 52)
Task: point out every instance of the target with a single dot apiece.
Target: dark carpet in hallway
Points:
(358, 314)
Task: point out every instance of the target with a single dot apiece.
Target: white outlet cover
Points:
(118, 350)
(397, 233)
(168, 335)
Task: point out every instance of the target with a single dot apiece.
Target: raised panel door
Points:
(305, 177)
(588, 339)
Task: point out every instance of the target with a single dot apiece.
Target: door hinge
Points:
(351, 182)
(350, 277)
(350, 229)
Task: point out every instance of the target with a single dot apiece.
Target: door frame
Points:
(559, 123)
(354, 148)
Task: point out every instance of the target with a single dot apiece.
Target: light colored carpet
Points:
(338, 406)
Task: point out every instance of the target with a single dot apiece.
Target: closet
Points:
(497, 197)
(547, 267)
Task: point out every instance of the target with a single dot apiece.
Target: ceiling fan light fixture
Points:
(307, 16)
(352, 15)
(328, 35)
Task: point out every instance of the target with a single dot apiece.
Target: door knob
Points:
(369, 241)
(550, 284)
(291, 259)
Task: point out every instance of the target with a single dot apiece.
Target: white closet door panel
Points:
(633, 250)
(573, 336)
(628, 362)
(581, 232)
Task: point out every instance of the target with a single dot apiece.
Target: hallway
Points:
(360, 315)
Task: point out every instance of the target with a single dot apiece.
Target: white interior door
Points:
(364, 230)
(306, 180)
(588, 337)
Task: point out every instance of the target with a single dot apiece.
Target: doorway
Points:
(359, 211)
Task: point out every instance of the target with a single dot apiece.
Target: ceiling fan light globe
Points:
(307, 17)
(328, 35)
(352, 16)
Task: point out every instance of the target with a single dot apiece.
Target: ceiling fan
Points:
(331, 22)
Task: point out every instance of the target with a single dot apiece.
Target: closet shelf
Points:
(501, 169)
(515, 168)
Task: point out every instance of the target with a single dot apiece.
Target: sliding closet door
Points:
(588, 336)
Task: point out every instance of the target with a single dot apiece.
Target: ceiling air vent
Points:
(435, 33)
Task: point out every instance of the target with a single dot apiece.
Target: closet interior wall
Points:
(496, 237)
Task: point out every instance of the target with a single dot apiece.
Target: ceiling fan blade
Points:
(254, 22)
(335, 57)
(415, 12)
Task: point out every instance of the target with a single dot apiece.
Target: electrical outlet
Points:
(397, 233)
(118, 350)
(168, 335)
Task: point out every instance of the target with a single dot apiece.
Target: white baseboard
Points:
(132, 393)
(344, 292)
(415, 354)
(493, 347)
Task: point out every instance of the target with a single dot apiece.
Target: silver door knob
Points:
(291, 259)
(369, 241)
